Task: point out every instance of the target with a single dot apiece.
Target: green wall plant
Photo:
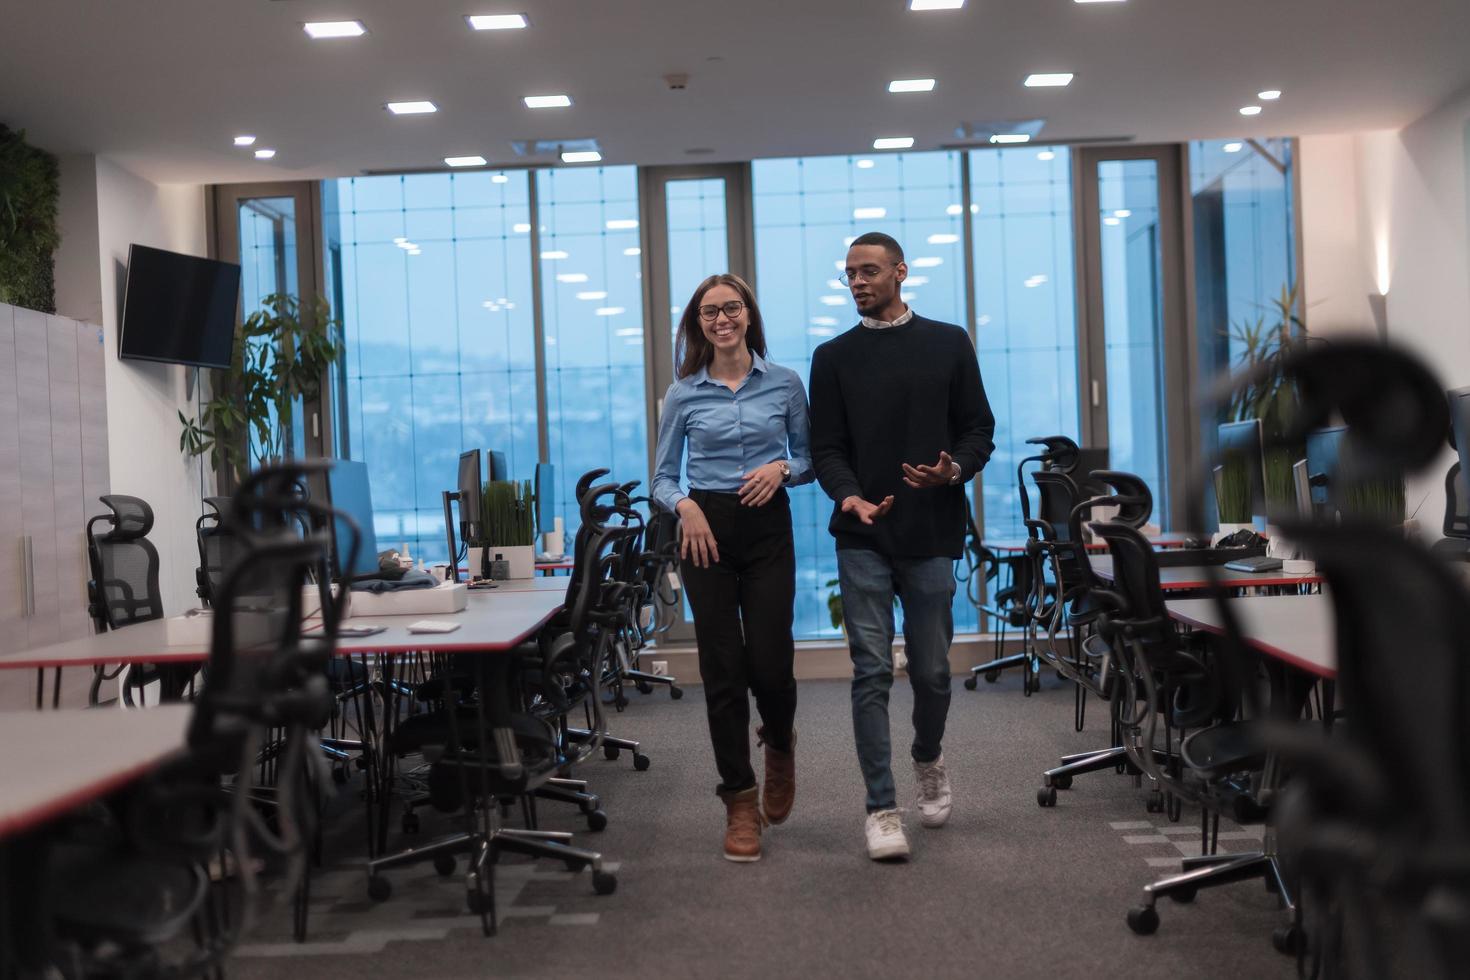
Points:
(29, 192)
(508, 511)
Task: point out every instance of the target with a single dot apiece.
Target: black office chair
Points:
(215, 547)
(1376, 818)
(132, 896)
(123, 589)
(1455, 545)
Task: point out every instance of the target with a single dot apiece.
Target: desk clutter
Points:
(1319, 688)
(148, 860)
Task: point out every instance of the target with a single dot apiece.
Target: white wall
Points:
(1390, 209)
(143, 398)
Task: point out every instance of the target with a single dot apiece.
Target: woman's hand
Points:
(698, 540)
(761, 485)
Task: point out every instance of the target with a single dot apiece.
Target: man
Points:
(899, 424)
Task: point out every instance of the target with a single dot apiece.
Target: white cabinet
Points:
(53, 467)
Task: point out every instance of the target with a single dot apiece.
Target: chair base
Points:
(1209, 871)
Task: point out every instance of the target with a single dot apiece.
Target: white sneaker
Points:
(886, 841)
(934, 795)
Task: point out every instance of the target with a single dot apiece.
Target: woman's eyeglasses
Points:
(731, 309)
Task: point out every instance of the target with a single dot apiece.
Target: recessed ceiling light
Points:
(593, 294)
(833, 300)
(893, 142)
(555, 254)
(609, 310)
(399, 240)
(1123, 213)
(572, 277)
(547, 101)
(864, 164)
(846, 243)
(628, 332)
(955, 210)
(868, 214)
(497, 22)
(322, 29)
(415, 251)
(503, 179)
(635, 250)
(520, 228)
(1232, 147)
(264, 154)
(927, 262)
(411, 108)
(1011, 138)
(1046, 155)
(1049, 80)
(1250, 110)
(936, 4)
(1112, 221)
(465, 161)
(622, 224)
(244, 140)
(943, 239)
(581, 156)
(1270, 95)
(911, 85)
(916, 281)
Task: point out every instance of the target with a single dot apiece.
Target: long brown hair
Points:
(693, 350)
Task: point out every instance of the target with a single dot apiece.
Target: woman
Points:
(745, 422)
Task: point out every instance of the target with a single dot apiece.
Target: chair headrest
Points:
(131, 517)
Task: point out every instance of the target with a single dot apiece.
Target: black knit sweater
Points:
(884, 397)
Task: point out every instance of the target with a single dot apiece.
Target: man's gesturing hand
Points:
(941, 474)
(866, 512)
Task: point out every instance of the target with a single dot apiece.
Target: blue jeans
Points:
(925, 588)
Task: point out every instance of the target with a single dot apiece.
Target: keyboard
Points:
(1256, 563)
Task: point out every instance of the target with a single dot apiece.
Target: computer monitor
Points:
(499, 469)
(1301, 483)
(1324, 463)
(469, 496)
(1090, 458)
(545, 490)
(348, 492)
(1460, 425)
(1242, 441)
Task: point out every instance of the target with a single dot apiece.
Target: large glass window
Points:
(1025, 312)
(807, 211)
(593, 308)
(433, 277)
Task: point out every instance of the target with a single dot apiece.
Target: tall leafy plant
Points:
(1271, 398)
(29, 192)
(281, 353)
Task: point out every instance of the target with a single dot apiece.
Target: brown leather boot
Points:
(743, 821)
(780, 791)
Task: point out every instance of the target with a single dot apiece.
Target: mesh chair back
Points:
(1135, 572)
(1057, 496)
(1130, 494)
(1456, 504)
(124, 563)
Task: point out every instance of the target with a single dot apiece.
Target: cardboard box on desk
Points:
(194, 629)
(446, 597)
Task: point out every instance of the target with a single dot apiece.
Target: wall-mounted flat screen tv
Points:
(178, 308)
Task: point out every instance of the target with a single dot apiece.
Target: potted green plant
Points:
(1233, 495)
(1271, 397)
(281, 354)
(834, 605)
(507, 515)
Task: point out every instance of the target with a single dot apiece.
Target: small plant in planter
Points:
(507, 514)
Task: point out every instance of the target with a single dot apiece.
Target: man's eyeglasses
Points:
(731, 309)
(865, 273)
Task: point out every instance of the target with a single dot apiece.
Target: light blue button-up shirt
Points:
(731, 433)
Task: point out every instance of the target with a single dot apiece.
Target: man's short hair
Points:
(895, 251)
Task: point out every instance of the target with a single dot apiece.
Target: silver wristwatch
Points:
(785, 470)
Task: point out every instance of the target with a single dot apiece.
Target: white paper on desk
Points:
(432, 626)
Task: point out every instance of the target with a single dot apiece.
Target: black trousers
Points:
(743, 607)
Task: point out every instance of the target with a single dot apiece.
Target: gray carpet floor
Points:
(1007, 889)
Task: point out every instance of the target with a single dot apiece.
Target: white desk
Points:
(1184, 578)
(1163, 541)
(494, 619)
(55, 761)
(1296, 629)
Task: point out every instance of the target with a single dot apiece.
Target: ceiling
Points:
(162, 86)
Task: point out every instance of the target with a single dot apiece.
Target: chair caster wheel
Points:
(604, 882)
(476, 902)
(675, 693)
(1184, 896)
(1289, 939)
(1062, 782)
(620, 702)
(1046, 796)
(1033, 685)
(970, 683)
(644, 687)
(609, 752)
(641, 761)
(444, 864)
(379, 888)
(339, 775)
(410, 823)
(991, 676)
(1143, 920)
(1155, 804)
(597, 820)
